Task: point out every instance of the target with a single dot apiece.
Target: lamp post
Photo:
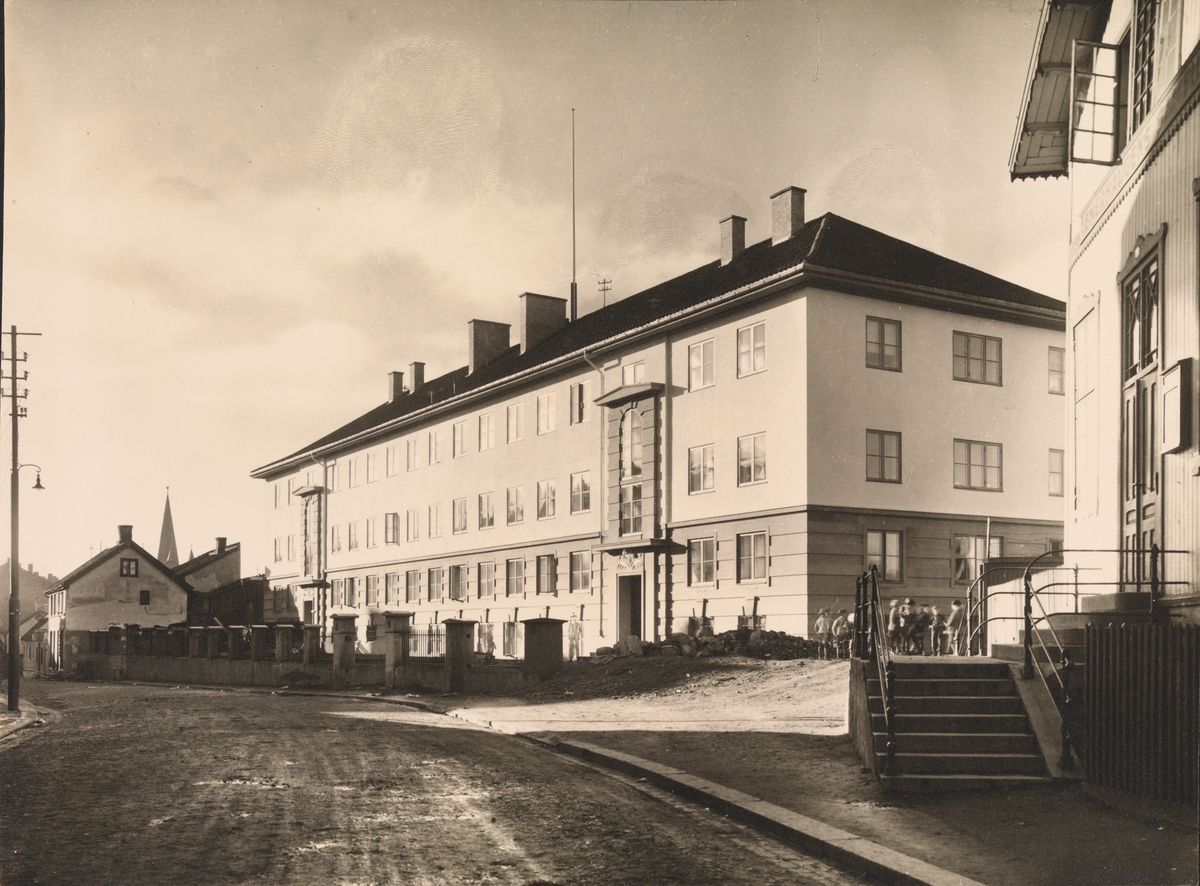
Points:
(15, 664)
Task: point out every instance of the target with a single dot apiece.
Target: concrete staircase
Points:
(960, 724)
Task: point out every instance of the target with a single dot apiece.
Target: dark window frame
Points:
(879, 360)
(965, 373)
(883, 458)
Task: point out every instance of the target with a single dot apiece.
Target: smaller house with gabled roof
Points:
(124, 584)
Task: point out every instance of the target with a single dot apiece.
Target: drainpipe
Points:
(324, 516)
(601, 424)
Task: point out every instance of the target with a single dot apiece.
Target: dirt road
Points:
(140, 784)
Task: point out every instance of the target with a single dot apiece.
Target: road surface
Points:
(157, 785)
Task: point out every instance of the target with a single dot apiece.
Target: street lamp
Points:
(15, 661)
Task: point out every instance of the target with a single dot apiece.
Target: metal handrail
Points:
(871, 642)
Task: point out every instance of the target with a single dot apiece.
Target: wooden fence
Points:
(1140, 737)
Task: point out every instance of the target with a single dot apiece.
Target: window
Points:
(143, 598)
(1058, 370)
(969, 555)
(883, 456)
(633, 373)
(412, 586)
(545, 413)
(1142, 72)
(414, 524)
(278, 496)
(372, 467)
(352, 472)
(129, 567)
(1057, 472)
(702, 561)
(885, 553)
(581, 570)
(752, 459)
(459, 516)
(278, 552)
(883, 344)
(391, 529)
(335, 540)
(700, 468)
(581, 492)
(514, 577)
(414, 454)
(435, 520)
(509, 640)
(351, 593)
(630, 512)
(458, 582)
(372, 532)
(459, 439)
(487, 515)
(1139, 347)
(580, 401)
(435, 447)
(545, 499)
(752, 557)
(631, 444)
(435, 584)
(700, 365)
(752, 349)
(977, 465)
(291, 488)
(338, 591)
(976, 358)
(516, 505)
(487, 431)
(335, 479)
(516, 422)
(351, 537)
(391, 588)
(1098, 102)
(486, 585)
(372, 590)
(547, 574)
(392, 457)
(291, 547)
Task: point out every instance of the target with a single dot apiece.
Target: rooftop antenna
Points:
(574, 285)
(604, 289)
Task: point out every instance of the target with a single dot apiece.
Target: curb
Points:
(29, 717)
(849, 850)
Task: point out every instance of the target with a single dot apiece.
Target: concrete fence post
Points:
(196, 642)
(459, 651)
(543, 647)
(312, 643)
(396, 628)
(258, 641)
(345, 635)
(283, 643)
(214, 641)
(116, 642)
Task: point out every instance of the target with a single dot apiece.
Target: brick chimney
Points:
(787, 214)
(125, 534)
(541, 317)
(416, 374)
(733, 238)
(395, 386)
(221, 544)
(486, 341)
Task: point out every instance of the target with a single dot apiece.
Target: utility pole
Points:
(15, 663)
(605, 286)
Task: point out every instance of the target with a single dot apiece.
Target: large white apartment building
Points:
(735, 444)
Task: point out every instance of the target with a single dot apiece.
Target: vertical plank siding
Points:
(1142, 710)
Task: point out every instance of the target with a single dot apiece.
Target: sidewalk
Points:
(788, 766)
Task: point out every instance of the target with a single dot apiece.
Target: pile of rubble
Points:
(751, 643)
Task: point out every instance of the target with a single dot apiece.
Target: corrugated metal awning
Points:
(1040, 147)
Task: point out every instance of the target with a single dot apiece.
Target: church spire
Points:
(168, 554)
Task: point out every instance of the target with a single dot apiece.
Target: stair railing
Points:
(871, 644)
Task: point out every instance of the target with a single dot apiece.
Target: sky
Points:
(229, 220)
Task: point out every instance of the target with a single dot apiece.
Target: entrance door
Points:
(1141, 479)
(308, 612)
(629, 606)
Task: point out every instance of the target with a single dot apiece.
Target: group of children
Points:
(909, 624)
(833, 634)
